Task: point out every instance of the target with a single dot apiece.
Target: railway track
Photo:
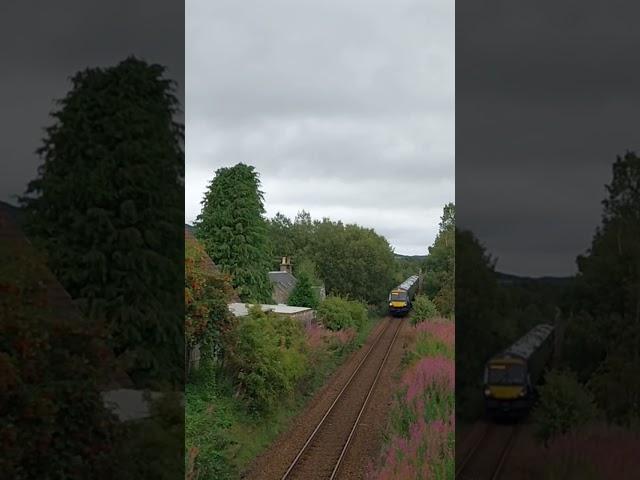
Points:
(321, 456)
(487, 455)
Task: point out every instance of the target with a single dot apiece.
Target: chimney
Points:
(285, 265)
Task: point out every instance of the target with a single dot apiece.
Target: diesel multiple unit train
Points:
(510, 376)
(400, 298)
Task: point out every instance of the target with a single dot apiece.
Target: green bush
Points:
(423, 309)
(303, 294)
(209, 413)
(564, 405)
(267, 356)
(337, 313)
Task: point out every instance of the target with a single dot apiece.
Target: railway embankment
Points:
(420, 426)
(343, 422)
(235, 411)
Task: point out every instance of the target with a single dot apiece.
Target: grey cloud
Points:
(345, 109)
(546, 99)
(43, 46)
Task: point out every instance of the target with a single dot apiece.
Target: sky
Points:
(41, 48)
(547, 96)
(346, 109)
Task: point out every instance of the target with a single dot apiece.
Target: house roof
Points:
(284, 279)
(242, 309)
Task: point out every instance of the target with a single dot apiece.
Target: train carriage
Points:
(510, 377)
(400, 298)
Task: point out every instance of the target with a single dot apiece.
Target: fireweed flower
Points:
(607, 451)
(421, 444)
(444, 332)
(429, 373)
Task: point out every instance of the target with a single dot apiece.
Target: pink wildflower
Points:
(444, 332)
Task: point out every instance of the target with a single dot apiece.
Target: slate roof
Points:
(285, 279)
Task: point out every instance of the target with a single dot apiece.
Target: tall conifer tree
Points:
(107, 207)
(234, 231)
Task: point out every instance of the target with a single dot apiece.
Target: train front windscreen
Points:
(506, 374)
(398, 297)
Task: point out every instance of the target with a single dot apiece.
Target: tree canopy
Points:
(440, 264)
(603, 334)
(233, 230)
(303, 294)
(351, 260)
(107, 207)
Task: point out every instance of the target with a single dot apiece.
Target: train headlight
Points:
(487, 392)
(523, 392)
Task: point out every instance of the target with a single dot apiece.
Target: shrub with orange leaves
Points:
(206, 294)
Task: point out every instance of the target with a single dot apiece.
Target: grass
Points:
(223, 436)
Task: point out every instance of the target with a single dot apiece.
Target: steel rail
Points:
(364, 404)
(471, 452)
(504, 453)
(319, 425)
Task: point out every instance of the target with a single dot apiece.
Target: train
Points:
(511, 376)
(401, 297)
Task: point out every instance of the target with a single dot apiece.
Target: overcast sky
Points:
(547, 96)
(346, 109)
(41, 47)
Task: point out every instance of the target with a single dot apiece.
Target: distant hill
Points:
(509, 279)
(411, 258)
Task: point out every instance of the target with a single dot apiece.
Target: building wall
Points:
(320, 292)
(306, 318)
(280, 294)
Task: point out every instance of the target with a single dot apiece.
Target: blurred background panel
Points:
(91, 240)
(547, 253)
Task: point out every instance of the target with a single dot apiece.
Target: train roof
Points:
(408, 283)
(530, 342)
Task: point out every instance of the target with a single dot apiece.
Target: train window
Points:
(506, 375)
(398, 296)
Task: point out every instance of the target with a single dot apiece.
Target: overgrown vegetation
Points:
(564, 406)
(206, 292)
(229, 419)
(423, 309)
(337, 313)
(266, 355)
(420, 437)
(594, 452)
(303, 294)
(37, 391)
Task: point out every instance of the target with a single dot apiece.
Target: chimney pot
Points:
(285, 265)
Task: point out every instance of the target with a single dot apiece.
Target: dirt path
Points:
(318, 461)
